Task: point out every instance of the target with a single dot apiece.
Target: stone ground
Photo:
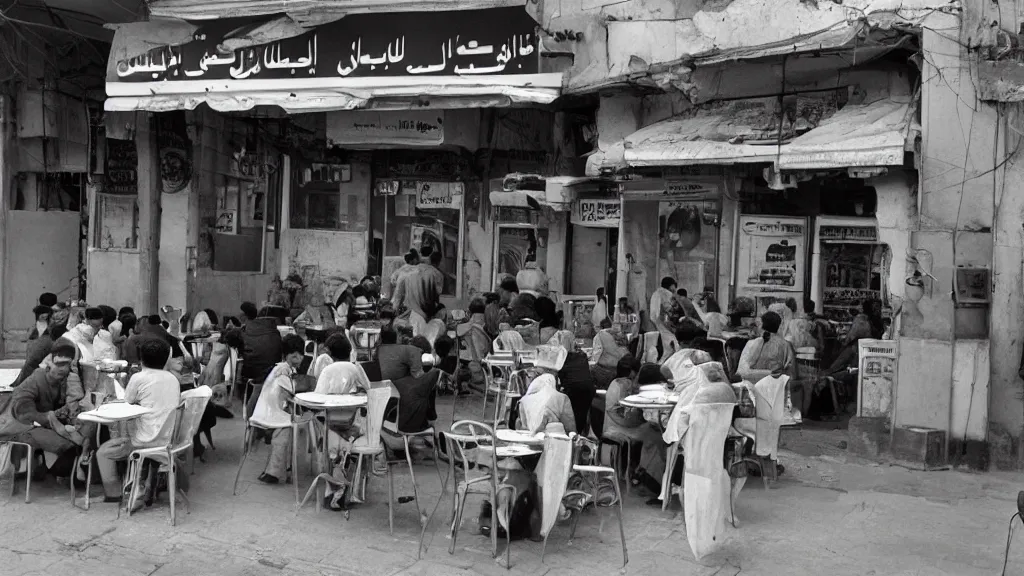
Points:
(829, 514)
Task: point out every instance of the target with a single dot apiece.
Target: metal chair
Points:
(494, 385)
(406, 438)
(514, 388)
(592, 473)
(10, 444)
(470, 448)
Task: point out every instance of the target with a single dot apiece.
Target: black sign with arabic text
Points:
(496, 41)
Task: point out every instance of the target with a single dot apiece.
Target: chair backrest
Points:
(372, 369)
(558, 455)
(461, 442)
(770, 404)
(519, 382)
(194, 405)
(231, 367)
(376, 402)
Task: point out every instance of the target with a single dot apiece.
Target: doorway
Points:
(593, 256)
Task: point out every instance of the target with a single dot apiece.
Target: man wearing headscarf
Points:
(543, 408)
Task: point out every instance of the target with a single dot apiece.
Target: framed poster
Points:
(772, 254)
(688, 243)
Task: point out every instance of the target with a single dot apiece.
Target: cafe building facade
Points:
(268, 150)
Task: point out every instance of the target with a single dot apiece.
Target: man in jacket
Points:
(261, 353)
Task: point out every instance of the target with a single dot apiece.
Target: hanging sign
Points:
(437, 195)
(468, 43)
(772, 253)
(399, 127)
(596, 213)
(848, 233)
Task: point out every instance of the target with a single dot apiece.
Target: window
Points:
(327, 197)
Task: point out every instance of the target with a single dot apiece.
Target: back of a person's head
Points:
(422, 343)
(292, 343)
(605, 323)
(770, 322)
(214, 319)
(386, 312)
(125, 310)
(689, 330)
(527, 300)
(682, 292)
(509, 285)
(649, 374)
(358, 291)
(154, 353)
(435, 258)
(668, 282)
(233, 339)
(40, 310)
(625, 366)
(57, 330)
(477, 305)
(249, 309)
(48, 299)
(426, 251)
(339, 347)
(545, 307)
(711, 305)
(412, 256)
(791, 304)
(388, 336)
(809, 306)
(443, 345)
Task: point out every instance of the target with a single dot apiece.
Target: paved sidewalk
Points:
(827, 515)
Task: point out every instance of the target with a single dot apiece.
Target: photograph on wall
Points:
(516, 245)
(772, 253)
(688, 243)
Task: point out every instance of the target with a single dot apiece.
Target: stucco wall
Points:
(341, 254)
(114, 279)
(173, 239)
(42, 256)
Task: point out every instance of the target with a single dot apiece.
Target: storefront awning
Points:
(858, 135)
(408, 60)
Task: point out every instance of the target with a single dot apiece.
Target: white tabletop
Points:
(314, 400)
(518, 436)
(637, 401)
(114, 412)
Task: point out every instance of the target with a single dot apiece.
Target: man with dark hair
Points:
(42, 315)
(420, 292)
(497, 311)
(270, 409)
(262, 350)
(412, 259)
(157, 390)
(48, 299)
(37, 351)
(249, 311)
(36, 413)
(661, 307)
(403, 365)
(339, 347)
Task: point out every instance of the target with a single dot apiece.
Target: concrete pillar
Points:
(6, 185)
(149, 216)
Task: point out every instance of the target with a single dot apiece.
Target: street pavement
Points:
(828, 514)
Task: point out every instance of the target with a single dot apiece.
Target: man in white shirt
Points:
(156, 389)
(273, 408)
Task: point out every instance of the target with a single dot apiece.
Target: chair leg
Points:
(622, 530)
(28, 477)
(391, 501)
(172, 486)
(135, 485)
(460, 501)
(412, 476)
(78, 461)
(295, 461)
(508, 529)
(246, 442)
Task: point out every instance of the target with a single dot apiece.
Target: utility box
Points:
(919, 446)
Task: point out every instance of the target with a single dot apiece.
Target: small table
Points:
(324, 403)
(108, 415)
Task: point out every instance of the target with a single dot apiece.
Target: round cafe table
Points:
(324, 403)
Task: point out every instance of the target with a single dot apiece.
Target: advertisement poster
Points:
(772, 253)
(688, 243)
(877, 377)
(596, 213)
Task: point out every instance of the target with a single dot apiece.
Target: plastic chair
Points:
(370, 443)
(705, 480)
(190, 414)
(515, 387)
(494, 385)
(769, 402)
(592, 473)
(470, 449)
(10, 444)
(364, 342)
(231, 370)
(133, 476)
(616, 443)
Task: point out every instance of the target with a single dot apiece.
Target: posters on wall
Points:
(596, 213)
(118, 217)
(688, 243)
(227, 222)
(772, 254)
(877, 377)
(433, 195)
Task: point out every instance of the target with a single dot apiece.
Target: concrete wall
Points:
(113, 278)
(42, 256)
(341, 254)
(173, 240)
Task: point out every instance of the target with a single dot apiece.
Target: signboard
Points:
(122, 165)
(432, 195)
(597, 213)
(227, 221)
(829, 233)
(400, 127)
(876, 377)
(686, 188)
(772, 253)
(467, 43)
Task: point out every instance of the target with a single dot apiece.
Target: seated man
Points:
(273, 410)
(477, 342)
(331, 347)
(37, 351)
(36, 413)
(153, 388)
(403, 365)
